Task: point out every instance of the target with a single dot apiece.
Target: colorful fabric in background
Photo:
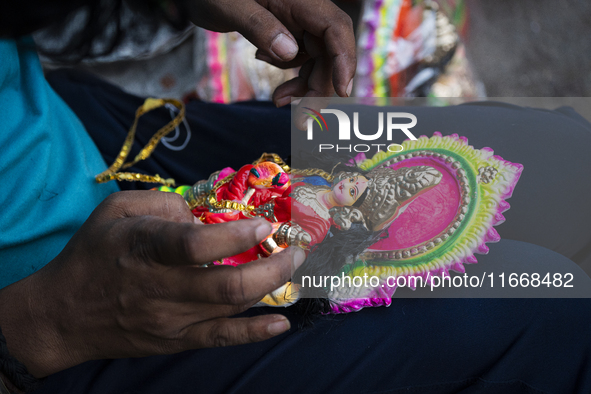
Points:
(216, 60)
(403, 46)
(229, 71)
(378, 21)
(457, 12)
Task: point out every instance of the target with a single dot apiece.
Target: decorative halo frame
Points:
(444, 228)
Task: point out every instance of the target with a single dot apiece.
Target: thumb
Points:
(266, 32)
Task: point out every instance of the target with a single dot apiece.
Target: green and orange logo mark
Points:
(315, 115)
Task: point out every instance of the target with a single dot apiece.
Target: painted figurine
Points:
(420, 212)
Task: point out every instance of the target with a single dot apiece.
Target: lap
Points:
(425, 345)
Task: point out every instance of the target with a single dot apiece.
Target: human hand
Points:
(314, 34)
(130, 283)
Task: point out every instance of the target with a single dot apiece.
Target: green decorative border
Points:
(487, 202)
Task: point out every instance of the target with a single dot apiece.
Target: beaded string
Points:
(120, 162)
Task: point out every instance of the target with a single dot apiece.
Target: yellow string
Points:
(120, 162)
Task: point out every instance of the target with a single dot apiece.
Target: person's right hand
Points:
(314, 34)
(131, 283)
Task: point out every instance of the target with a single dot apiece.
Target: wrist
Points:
(30, 332)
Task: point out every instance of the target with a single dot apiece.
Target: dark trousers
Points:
(416, 345)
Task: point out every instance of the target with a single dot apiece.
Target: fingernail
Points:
(263, 230)
(298, 258)
(284, 47)
(278, 327)
(283, 101)
(350, 88)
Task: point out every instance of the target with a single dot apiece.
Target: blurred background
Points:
(406, 48)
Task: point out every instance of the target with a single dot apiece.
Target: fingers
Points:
(299, 87)
(335, 28)
(168, 206)
(274, 26)
(266, 32)
(241, 285)
(313, 83)
(296, 87)
(176, 244)
(300, 59)
(234, 331)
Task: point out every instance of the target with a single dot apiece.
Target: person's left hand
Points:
(131, 283)
(314, 34)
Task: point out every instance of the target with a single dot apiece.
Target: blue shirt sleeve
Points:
(47, 166)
